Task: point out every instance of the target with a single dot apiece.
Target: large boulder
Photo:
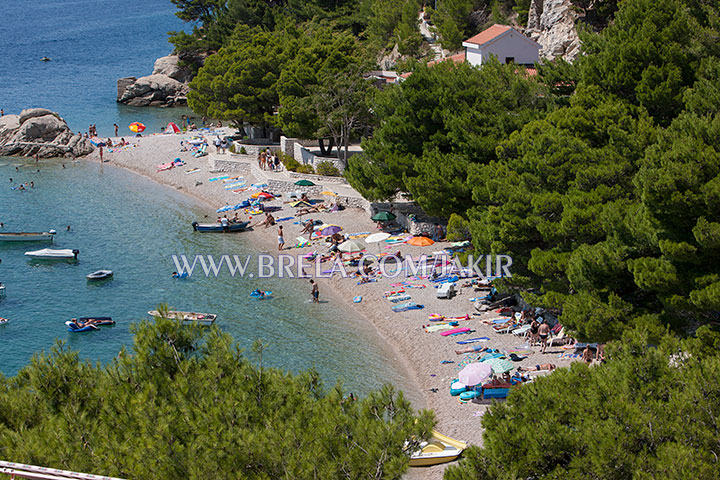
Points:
(154, 90)
(170, 66)
(551, 23)
(38, 131)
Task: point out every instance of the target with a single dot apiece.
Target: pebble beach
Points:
(429, 357)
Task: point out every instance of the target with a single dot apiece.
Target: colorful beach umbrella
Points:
(137, 127)
(420, 241)
(475, 374)
(329, 193)
(304, 183)
(499, 365)
(351, 246)
(383, 217)
(377, 237)
(326, 230)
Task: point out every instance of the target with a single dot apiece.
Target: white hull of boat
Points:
(53, 254)
(189, 317)
(27, 237)
(2, 291)
(440, 449)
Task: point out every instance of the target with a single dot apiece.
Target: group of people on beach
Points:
(268, 161)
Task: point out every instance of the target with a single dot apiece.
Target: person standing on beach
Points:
(225, 224)
(101, 154)
(281, 240)
(544, 333)
(116, 128)
(2, 112)
(314, 292)
(218, 142)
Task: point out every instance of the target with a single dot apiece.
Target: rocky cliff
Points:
(38, 131)
(166, 87)
(551, 23)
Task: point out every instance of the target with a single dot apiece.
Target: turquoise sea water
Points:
(92, 43)
(131, 225)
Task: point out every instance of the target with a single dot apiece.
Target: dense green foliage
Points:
(648, 413)
(437, 124)
(600, 179)
(187, 404)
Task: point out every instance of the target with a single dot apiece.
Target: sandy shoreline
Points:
(421, 354)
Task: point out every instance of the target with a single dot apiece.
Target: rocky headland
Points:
(41, 132)
(167, 86)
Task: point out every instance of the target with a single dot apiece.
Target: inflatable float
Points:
(260, 294)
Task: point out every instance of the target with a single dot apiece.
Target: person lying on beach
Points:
(471, 349)
(537, 368)
(269, 221)
(306, 210)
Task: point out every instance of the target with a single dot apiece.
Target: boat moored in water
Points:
(27, 236)
(2, 290)
(53, 254)
(188, 317)
(100, 275)
(216, 227)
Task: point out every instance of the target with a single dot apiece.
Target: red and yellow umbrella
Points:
(136, 127)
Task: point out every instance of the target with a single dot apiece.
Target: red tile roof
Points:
(488, 34)
(457, 58)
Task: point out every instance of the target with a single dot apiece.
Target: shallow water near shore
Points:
(91, 43)
(131, 225)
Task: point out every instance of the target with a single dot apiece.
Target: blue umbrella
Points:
(224, 209)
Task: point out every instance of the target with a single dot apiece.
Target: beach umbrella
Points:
(136, 127)
(351, 246)
(265, 195)
(383, 217)
(329, 193)
(499, 365)
(377, 237)
(420, 241)
(475, 374)
(304, 183)
(224, 209)
(299, 204)
(329, 229)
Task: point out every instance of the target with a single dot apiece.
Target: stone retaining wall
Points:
(228, 165)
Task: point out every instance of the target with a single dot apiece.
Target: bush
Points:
(290, 163)
(328, 168)
(457, 229)
(242, 151)
(305, 169)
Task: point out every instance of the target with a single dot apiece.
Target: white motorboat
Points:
(187, 317)
(2, 290)
(27, 236)
(99, 275)
(53, 254)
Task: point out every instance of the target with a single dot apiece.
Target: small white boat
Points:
(439, 449)
(99, 275)
(27, 236)
(53, 254)
(189, 317)
(2, 290)
(3, 321)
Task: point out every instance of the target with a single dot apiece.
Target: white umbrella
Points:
(351, 246)
(377, 237)
(475, 374)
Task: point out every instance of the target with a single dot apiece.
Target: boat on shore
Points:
(440, 449)
(188, 317)
(100, 275)
(27, 236)
(53, 254)
(216, 227)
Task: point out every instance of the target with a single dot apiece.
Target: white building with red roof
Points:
(504, 43)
